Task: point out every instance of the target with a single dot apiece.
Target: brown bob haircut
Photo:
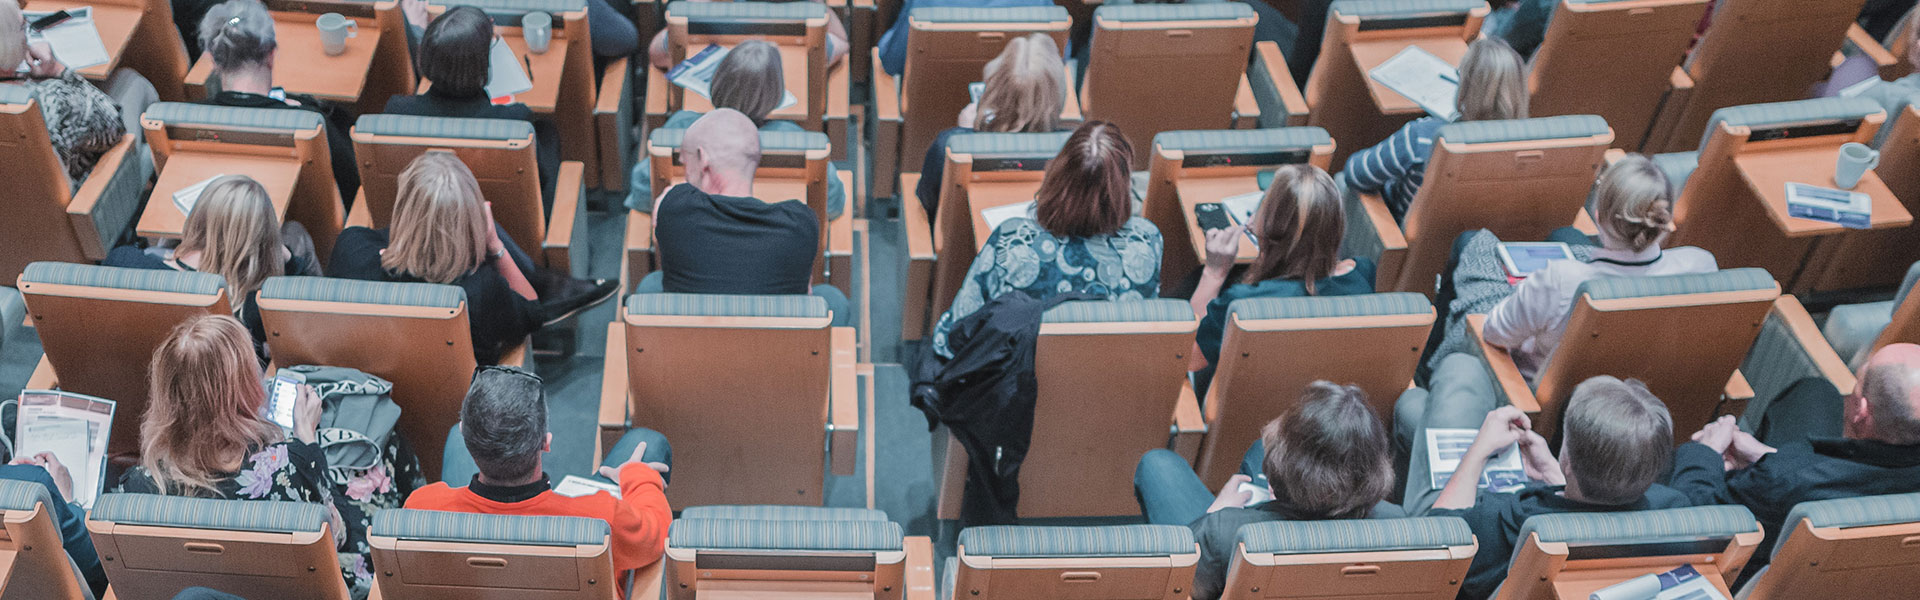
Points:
(1327, 457)
(453, 52)
(1088, 189)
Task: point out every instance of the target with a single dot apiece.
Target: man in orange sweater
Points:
(503, 423)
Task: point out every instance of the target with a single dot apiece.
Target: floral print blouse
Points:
(296, 471)
(1021, 255)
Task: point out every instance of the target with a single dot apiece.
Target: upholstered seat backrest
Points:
(983, 170)
(1520, 179)
(154, 546)
(1363, 33)
(100, 326)
(434, 555)
(1739, 60)
(1422, 558)
(36, 564)
(1274, 347)
(1612, 58)
(1138, 52)
(501, 153)
(1715, 540)
(776, 512)
(39, 190)
(1845, 547)
(1123, 561)
(785, 556)
(798, 28)
(950, 48)
(421, 330)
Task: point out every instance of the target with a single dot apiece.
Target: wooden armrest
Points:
(613, 85)
(920, 579)
(1393, 243)
(656, 92)
(914, 217)
(1737, 387)
(1188, 424)
(613, 118)
(1679, 79)
(1505, 373)
(1070, 112)
(1794, 316)
(843, 415)
(360, 215)
(639, 247)
(43, 377)
(1246, 108)
(88, 198)
(614, 396)
(886, 91)
(1865, 44)
(569, 192)
(646, 580)
(1613, 155)
(1290, 96)
(518, 356)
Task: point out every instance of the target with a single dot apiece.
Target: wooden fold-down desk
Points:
(303, 67)
(162, 219)
(1195, 191)
(1368, 54)
(116, 24)
(982, 195)
(1767, 173)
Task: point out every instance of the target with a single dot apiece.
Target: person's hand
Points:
(42, 62)
(1536, 457)
(1223, 246)
(415, 12)
(495, 247)
(1231, 496)
(1718, 434)
(1504, 427)
(1746, 450)
(967, 115)
(306, 415)
(638, 457)
(62, 479)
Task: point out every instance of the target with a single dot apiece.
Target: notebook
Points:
(1423, 78)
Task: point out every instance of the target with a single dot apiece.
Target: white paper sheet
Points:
(695, 74)
(75, 41)
(999, 214)
(1504, 472)
(44, 414)
(575, 486)
(506, 75)
(185, 198)
(1423, 78)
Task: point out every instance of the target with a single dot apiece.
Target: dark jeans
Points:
(1810, 407)
(1170, 493)
(457, 467)
(836, 299)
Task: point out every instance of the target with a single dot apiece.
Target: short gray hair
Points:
(504, 422)
(1888, 388)
(237, 33)
(1618, 439)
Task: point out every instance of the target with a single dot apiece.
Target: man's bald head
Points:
(1890, 392)
(721, 151)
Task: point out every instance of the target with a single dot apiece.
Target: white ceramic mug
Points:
(334, 31)
(537, 29)
(1855, 159)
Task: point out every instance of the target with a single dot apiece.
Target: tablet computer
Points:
(1521, 259)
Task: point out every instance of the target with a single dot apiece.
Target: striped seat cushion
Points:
(747, 11)
(209, 513)
(181, 113)
(1136, 13)
(16, 494)
(1641, 527)
(771, 142)
(1017, 541)
(1677, 166)
(1010, 14)
(15, 94)
(725, 305)
(1321, 307)
(444, 127)
(1862, 511)
(767, 512)
(1403, 8)
(327, 289)
(439, 526)
(805, 536)
(1008, 144)
(121, 278)
(1247, 141)
(1779, 114)
(1730, 280)
(1359, 535)
(510, 7)
(1524, 130)
(1119, 311)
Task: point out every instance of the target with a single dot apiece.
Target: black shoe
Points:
(575, 295)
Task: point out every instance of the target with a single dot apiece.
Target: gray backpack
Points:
(356, 417)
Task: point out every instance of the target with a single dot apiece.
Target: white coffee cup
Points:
(1855, 159)
(537, 29)
(334, 31)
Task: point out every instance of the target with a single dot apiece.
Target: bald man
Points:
(714, 237)
(1815, 444)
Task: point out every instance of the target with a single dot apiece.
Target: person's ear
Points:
(1859, 423)
(547, 444)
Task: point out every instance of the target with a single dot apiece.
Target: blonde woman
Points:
(234, 233)
(443, 232)
(750, 80)
(1493, 86)
(1024, 90)
(204, 435)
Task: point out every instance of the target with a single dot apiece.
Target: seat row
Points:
(155, 546)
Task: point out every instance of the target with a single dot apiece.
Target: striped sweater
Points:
(1394, 168)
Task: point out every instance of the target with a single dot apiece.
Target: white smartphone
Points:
(286, 392)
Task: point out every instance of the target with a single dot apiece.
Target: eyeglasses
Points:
(503, 369)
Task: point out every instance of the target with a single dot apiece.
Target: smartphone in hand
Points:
(286, 392)
(1211, 215)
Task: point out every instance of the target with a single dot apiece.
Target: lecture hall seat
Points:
(1612, 58)
(1121, 562)
(1194, 167)
(799, 29)
(1417, 558)
(154, 546)
(1859, 547)
(435, 555)
(790, 551)
(983, 170)
(1143, 55)
(47, 218)
(1570, 555)
(284, 150)
(1361, 34)
(36, 564)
